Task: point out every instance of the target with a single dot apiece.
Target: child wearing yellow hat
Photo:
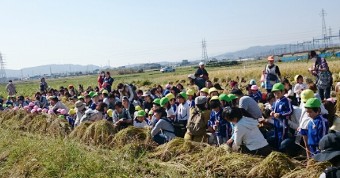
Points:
(140, 121)
(191, 99)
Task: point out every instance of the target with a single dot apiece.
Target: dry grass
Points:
(275, 165)
(177, 147)
(200, 157)
(134, 147)
(131, 135)
(79, 131)
(96, 133)
(59, 128)
(313, 169)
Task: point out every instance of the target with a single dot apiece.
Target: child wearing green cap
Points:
(281, 112)
(139, 121)
(317, 126)
(170, 113)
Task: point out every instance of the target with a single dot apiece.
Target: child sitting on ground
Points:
(256, 93)
(139, 121)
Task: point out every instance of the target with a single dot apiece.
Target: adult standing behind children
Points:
(201, 72)
(324, 79)
(10, 88)
(43, 85)
(271, 74)
(107, 83)
(100, 79)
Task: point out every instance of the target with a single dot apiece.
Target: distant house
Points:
(184, 62)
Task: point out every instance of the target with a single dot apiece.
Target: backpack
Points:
(196, 125)
(179, 128)
(324, 79)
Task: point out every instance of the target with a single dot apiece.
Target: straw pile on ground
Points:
(78, 132)
(176, 147)
(59, 128)
(41, 124)
(11, 119)
(131, 135)
(98, 133)
(274, 165)
(212, 161)
(313, 169)
(36, 124)
(185, 158)
(222, 163)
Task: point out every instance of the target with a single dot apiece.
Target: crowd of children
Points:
(257, 123)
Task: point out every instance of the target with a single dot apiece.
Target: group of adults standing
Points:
(271, 74)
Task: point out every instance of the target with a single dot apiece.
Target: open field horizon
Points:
(148, 79)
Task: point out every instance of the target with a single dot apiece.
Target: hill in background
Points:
(47, 69)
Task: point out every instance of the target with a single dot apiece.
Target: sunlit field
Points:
(46, 146)
(148, 79)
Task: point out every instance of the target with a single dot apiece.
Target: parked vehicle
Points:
(167, 69)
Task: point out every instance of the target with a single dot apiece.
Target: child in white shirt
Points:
(299, 87)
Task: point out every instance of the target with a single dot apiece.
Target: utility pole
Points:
(330, 36)
(324, 28)
(3, 77)
(204, 51)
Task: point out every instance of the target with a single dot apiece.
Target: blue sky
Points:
(38, 32)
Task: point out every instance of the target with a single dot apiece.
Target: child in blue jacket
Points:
(317, 126)
(220, 127)
(281, 112)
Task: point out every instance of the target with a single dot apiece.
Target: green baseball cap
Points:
(224, 97)
(157, 101)
(141, 113)
(313, 103)
(61, 117)
(232, 97)
(80, 97)
(151, 112)
(93, 94)
(183, 95)
(163, 101)
(278, 87)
